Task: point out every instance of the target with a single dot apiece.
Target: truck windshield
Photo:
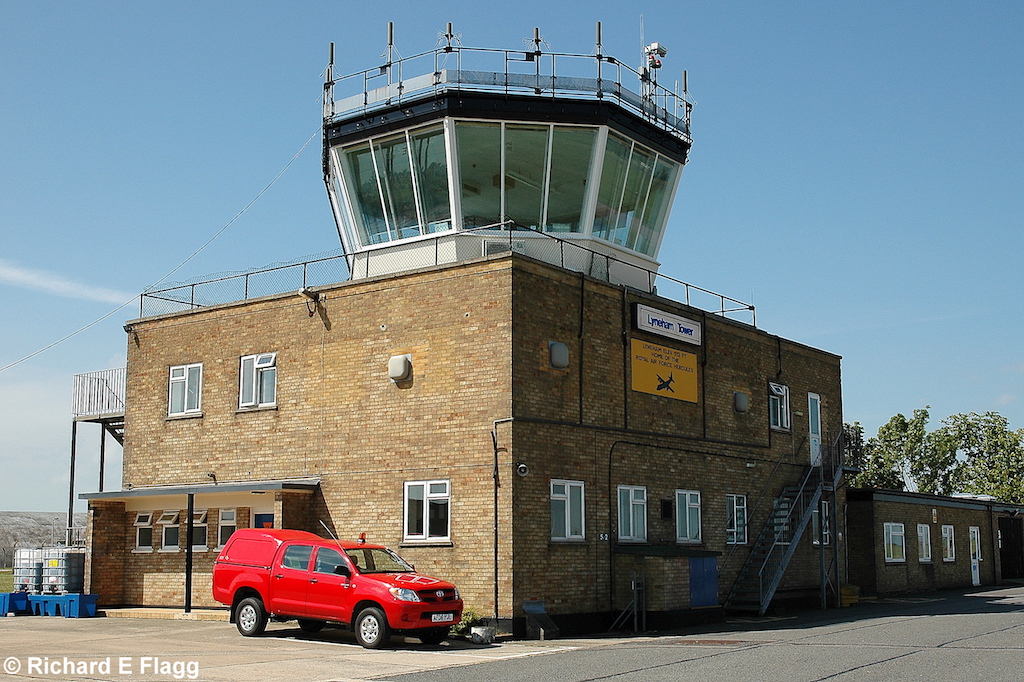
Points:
(377, 560)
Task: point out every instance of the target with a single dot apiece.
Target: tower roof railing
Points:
(333, 267)
(526, 72)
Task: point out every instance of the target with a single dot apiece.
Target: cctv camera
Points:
(522, 469)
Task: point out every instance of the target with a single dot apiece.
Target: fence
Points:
(432, 251)
(98, 393)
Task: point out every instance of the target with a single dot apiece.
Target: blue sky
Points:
(857, 174)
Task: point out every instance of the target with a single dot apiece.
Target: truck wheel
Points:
(372, 629)
(250, 618)
(311, 625)
(433, 635)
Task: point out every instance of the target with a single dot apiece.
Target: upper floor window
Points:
(821, 531)
(736, 519)
(427, 510)
(632, 513)
(687, 516)
(778, 405)
(566, 510)
(258, 380)
(185, 389)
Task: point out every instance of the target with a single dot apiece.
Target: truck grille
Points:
(431, 596)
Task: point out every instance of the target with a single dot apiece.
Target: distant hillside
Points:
(32, 529)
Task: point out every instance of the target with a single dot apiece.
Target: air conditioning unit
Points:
(496, 246)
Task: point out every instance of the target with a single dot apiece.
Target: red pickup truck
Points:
(286, 574)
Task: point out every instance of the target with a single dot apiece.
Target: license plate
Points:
(442, 617)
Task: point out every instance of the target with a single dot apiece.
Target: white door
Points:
(975, 555)
(814, 425)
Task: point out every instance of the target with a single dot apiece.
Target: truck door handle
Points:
(312, 580)
(279, 575)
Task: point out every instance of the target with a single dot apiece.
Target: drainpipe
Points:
(188, 553)
(71, 484)
(497, 484)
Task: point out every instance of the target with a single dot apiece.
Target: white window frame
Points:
(224, 522)
(567, 498)
(199, 517)
(168, 520)
(143, 520)
(821, 529)
(735, 519)
(948, 543)
(428, 496)
(632, 514)
(892, 531)
(687, 502)
(183, 380)
(924, 543)
(778, 406)
(258, 365)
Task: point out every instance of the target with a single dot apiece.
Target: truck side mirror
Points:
(342, 569)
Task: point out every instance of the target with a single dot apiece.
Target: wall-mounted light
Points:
(522, 469)
(313, 299)
(740, 402)
(212, 476)
(400, 367)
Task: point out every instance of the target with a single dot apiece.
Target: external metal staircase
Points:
(793, 510)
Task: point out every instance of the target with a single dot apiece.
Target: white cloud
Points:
(58, 285)
(1006, 399)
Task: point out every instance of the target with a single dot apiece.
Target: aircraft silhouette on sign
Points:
(665, 384)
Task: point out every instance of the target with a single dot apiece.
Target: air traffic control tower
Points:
(464, 152)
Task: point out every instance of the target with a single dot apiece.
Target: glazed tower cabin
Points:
(494, 378)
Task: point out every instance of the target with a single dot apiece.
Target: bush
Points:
(470, 619)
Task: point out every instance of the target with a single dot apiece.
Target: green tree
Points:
(888, 456)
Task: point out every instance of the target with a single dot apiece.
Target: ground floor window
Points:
(143, 532)
(632, 513)
(687, 516)
(427, 510)
(169, 531)
(199, 532)
(895, 550)
(566, 510)
(948, 544)
(227, 525)
(924, 543)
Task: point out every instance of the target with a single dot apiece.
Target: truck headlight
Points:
(457, 597)
(404, 594)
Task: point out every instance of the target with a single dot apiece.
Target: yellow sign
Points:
(664, 371)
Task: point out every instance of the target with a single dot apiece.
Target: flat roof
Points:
(307, 485)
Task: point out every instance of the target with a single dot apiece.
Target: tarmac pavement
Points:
(943, 636)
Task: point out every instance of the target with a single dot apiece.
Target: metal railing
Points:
(432, 251)
(98, 393)
(529, 71)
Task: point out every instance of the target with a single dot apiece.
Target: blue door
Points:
(703, 581)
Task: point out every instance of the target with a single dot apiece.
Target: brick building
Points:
(501, 390)
(911, 542)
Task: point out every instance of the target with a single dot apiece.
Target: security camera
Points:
(309, 293)
(522, 469)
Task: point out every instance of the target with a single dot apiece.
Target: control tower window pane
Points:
(638, 183)
(479, 151)
(431, 164)
(395, 172)
(613, 177)
(655, 212)
(526, 156)
(571, 152)
(362, 181)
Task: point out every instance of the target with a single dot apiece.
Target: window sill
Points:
(782, 429)
(168, 550)
(142, 550)
(893, 562)
(426, 543)
(568, 541)
(187, 415)
(260, 408)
